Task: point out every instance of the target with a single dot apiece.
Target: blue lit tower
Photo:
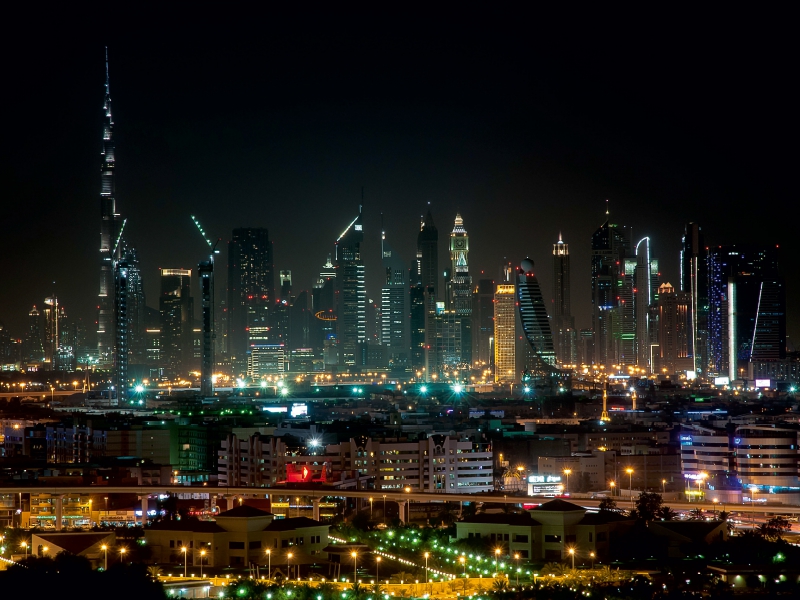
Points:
(351, 296)
(540, 352)
(109, 229)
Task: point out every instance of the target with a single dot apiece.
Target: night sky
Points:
(525, 131)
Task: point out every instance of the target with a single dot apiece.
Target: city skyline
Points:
(158, 203)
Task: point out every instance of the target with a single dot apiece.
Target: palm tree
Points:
(500, 585)
(554, 568)
(402, 577)
(154, 572)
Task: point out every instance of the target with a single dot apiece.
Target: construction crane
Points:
(205, 271)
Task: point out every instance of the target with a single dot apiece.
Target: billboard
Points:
(763, 383)
(722, 380)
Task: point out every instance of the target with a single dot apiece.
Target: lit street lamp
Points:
(289, 564)
(202, 559)
(663, 486)
(629, 471)
(122, 554)
(25, 545)
(354, 554)
(370, 508)
(516, 558)
(426, 569)
(185, 551)
(496, 556)
(591, 554)
(378, 570)
(572, 554)
(269, 564)
(104, 548)
(567, 473)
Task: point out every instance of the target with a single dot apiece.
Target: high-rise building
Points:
(505, 333)
(33, 348)
(643, 295)
(394, 305)
(565, 336)
(251, 290)
(177, 320)
(109, 232)
(610, 247)
(747, 308)
(483, 324)
(122, 335)
(694, 281)
(540, 351)
(423, 293)
(136, 309)
(205, 271)
(351, 291)
(674, 333)
(459, 287)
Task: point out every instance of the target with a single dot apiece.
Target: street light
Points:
(496, 556)
(104, 548)
(25, 545)
(370, 508)
(354, 554)
(269, 564)
(427, 554)
(612, 484)
(591, 554)
(629, 471)
(572, 554)
(384, 508)
(185, 551)
(122, 552)
(202, 559)
(663, 486)
(378, 569)
(516, 558)
(567, 473)
(289, 564)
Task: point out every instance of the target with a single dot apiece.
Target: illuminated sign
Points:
(694, 476)
(359, 227)
(722, 380)
(544, 479)
(299, 410)
(686, 440)
(765, 383)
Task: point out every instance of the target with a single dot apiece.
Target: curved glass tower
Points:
(541, 355)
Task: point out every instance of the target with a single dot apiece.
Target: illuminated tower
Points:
(505, 333)
(423, 293)
(610, 246)
(109, 229)
(540, 356)
(565, 337)
(394, 304)
(122, 294)
(459, 287)
(177, 320)
(351, 292)
(642, 299)
(694, 281)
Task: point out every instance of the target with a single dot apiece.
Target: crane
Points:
(205, 270)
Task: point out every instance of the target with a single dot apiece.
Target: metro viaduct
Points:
(316, 495)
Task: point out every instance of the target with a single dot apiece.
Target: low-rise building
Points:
(239, 537)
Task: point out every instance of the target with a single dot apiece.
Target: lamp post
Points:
(496, 556)
(25, 545)
(463, 560)
(629, 471)
(516, 558)
(663, 486)
(378, 569)
(104, 548)
(370, 508)
(289, 565)
(354, 554)
(269, 564)
(384, 508)
(185, 551)
(572, 554)
(202, 559)
(591, 555)
(426, 569)
(122, 554)
(567, 473)
(612, 484)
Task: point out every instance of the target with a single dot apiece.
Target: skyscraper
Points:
(251, 290)
(351, 298)
(424, 286)
(610, 247)
(33, 350)
(505, 333)
(674, 332)
(121, 351)
(535, 324)
(205, 270)
(394, 304)
(177, 319)
(642, 299)
(483, 324)
(747, 308)
(136, 309)
(109, 231)
(565, 336)
(694, 281)
(459, 287)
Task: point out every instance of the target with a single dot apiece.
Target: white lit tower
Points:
(565, 336)
(109, 230)
(394, 303)
(459, 286)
